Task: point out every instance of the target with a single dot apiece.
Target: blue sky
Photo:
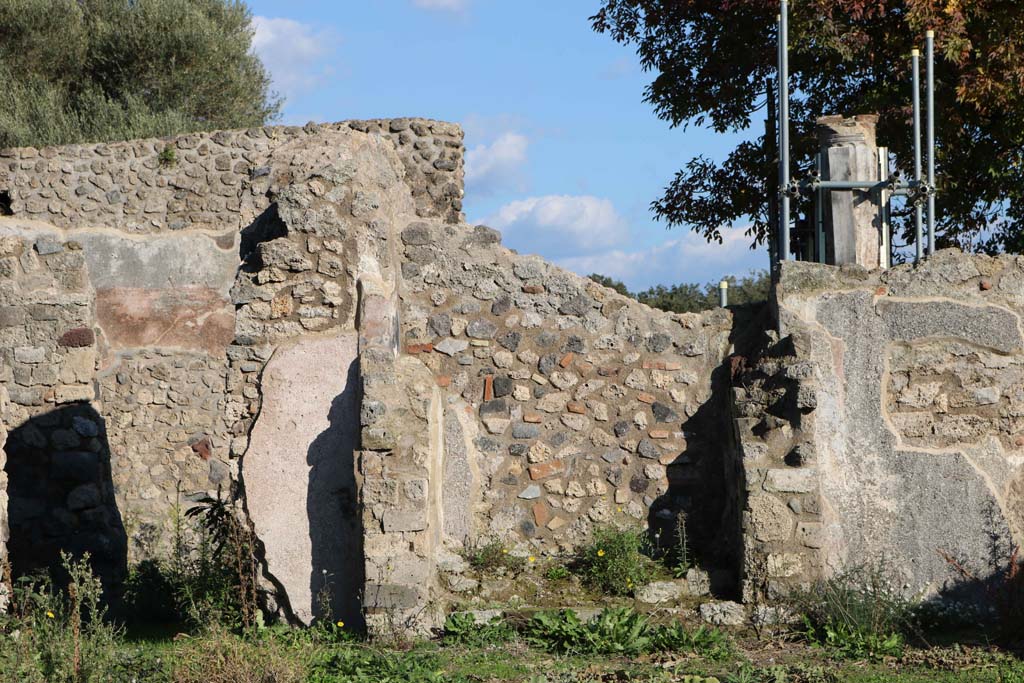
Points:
(563, 156)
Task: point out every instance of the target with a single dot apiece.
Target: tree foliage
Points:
(96, 70)
(689, 297)
(712, 60)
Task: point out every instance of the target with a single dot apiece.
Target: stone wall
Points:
(297, 321)
(59, 487)
(559, 404)
(163, 237)
(214, 180)
(914, 444)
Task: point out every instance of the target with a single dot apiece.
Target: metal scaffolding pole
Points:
(819, 210)
(915, 58)
(930, 102)
(885, 253)
(784, 130)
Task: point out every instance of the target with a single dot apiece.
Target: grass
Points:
(857, 629)
(280, 656)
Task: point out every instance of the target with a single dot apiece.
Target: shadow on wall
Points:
(335, 525)
(994, 586)
(704, 484)
(62, 496)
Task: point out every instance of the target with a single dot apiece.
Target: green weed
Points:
(620, 631)
(58, 635)
(494, 558)
(614, 562)
(860, 613)
(462, 628)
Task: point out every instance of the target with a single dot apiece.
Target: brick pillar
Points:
(852, 218)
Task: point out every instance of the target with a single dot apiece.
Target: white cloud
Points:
(587, 234)
(684, 258)
(446, 5)
(293, 52)
(499, 164)
(559, 226)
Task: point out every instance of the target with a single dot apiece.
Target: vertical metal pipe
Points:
(819, 209)
(723, 293)
(915, 58)
(784, 127)
(771, 138)
(885, 260)
(930, 104)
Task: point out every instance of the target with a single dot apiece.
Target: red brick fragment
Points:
(576, 407)
(533, 418)
(882, 290)
(444, 381)
(413, 349)
(646, 398)
(672, 366)
(546, 469)
(567, 359)
(489, 387)
(541, 514)
(77, 337)
(985, 285)
(202, 447)
(659, 433)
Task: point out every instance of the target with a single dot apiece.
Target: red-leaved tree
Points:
(712, 59)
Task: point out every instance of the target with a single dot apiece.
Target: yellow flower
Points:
(341, 624)
(504, 551)
(49, 614)
(531, 558)
(600, 553)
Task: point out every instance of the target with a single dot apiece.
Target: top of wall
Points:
(212, 180)
(969, 278)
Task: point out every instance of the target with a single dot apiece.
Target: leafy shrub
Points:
(58, 636)
(494, 558)
(168, 156)
(614, 562)
(620, 631)
(209, 576)
(462, 628)
(859, 613)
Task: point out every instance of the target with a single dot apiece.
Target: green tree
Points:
(712, 60)
(618, 285)
(98, 70)
(693, 298)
